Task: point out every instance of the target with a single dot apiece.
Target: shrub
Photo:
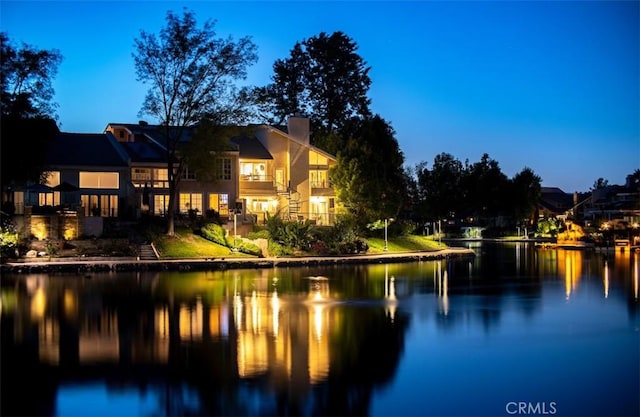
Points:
(215, 233)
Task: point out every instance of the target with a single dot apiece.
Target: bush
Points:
(215, 233)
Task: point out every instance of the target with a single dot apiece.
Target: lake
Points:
(517, 330)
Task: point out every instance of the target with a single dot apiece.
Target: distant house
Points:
(615, 202)
(554, 202)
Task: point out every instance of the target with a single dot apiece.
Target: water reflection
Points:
(322, 340)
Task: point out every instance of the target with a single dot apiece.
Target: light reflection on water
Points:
(462, 337)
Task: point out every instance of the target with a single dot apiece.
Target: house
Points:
(122, 173)
(554, 202)
(615, 202)
(264, 171)
(88, 176)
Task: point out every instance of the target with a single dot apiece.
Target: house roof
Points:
(82, 149)
(251, 148)
(554, 199)
(143, 151)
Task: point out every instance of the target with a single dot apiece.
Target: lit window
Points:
(160, 204)
(160, 178)
(190, 202)
(53, 178)
(99, 180)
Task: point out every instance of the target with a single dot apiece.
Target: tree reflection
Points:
(308, 341)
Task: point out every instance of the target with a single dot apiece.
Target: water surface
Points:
(517, 330)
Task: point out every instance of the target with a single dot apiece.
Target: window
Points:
(53, 178)
(253, 171)
(190, 202)
(105, 205)
(99, 180)
(219, 203)
(18, 200)
(224, 169)
(316, 159)
(140, 176)
(49, 199)
(160, 178)
(318, 179)
(187, 174)
(160, 204)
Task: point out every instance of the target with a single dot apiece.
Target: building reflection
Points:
(570, 266)
(286, 338)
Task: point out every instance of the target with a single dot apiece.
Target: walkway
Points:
(79, 265)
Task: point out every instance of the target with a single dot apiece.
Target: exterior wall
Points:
(291, 154)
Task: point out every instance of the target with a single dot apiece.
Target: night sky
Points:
(550, 85)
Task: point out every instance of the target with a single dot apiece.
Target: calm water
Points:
(515, 331)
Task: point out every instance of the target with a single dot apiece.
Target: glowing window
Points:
(190, 202)
(53, 178)
(99, 180)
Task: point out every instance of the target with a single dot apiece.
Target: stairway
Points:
(146, 253)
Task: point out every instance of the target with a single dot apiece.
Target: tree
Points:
(191, 74)
(323, 77)
(525, 195)
(369, 177)
(440, 188)
(485, 185)
(28, 111)
(599, 183)
(26, 79)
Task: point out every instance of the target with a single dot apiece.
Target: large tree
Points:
(191, 75)
(440, 189)
(325, 78)
(28, 110)
(369, 177)
(26, 75)
(526, 191)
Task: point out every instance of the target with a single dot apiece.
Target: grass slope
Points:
(187, 245)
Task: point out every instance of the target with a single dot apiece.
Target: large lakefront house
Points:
(122, 173)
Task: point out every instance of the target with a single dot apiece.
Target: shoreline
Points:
(105, 264)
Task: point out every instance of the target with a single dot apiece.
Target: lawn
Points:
(405, 244)
(187, 245)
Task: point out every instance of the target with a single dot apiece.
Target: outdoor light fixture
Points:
(386, 224)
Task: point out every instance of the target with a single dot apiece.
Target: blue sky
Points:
(550, 85)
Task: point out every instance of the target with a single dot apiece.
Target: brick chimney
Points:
(298, 127)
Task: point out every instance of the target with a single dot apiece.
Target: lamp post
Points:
(386, 225)
(235, 216)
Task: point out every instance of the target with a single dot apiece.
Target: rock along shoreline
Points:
(105, 264)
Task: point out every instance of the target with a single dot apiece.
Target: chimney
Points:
(298, 127)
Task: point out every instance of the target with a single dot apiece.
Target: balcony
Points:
(321, 188)
(257, 185)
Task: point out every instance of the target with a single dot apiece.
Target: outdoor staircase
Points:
(293, 207)
(146, 253)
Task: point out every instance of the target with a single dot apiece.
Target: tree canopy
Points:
(323, 77)
(479, 190)
(26, 75)
(191, 73)
(369, 177)
(28, 110)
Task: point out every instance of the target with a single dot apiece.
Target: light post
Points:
(386, 225)
(235, 225)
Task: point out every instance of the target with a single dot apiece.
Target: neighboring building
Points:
(88, 179)
(615, 202)
(554, 202)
